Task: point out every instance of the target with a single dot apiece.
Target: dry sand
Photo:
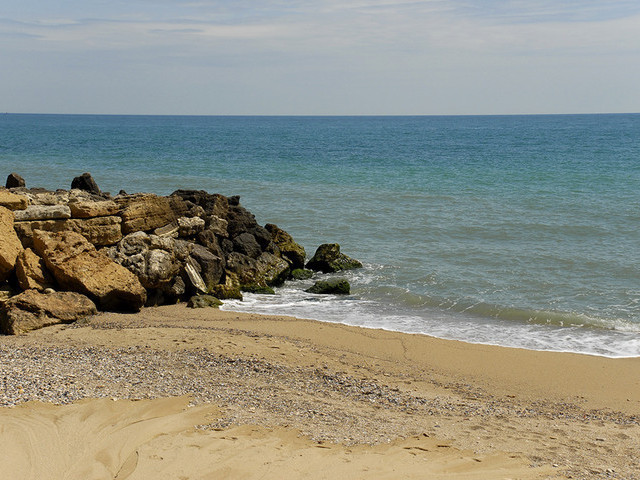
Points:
(175, 393)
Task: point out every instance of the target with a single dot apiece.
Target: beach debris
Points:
(329, 259)
(31, 310)
(332, 286)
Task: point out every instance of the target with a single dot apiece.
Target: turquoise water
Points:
(517, 230)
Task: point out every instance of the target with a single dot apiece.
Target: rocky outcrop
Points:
(78, 266)
(332, 286)
(328, 259)
(31, 310)
(10, 245)
(13, 201)
(153, 249)
(31, 272)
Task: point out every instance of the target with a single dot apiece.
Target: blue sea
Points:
(520, 231)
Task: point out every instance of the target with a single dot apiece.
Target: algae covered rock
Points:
(333, 286)
(301, 274)
(329, 259)
(291, 251)
(203, 301)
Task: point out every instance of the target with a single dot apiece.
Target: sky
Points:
(321, 57)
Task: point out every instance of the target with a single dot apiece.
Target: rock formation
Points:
(126, 251)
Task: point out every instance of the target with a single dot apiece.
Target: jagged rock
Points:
(87, 183)
(333, 286)
(32, 310)
(247, 244)
(32, 272)
(328, 259)
(40, 196)
(88, 209)
(15, 181)
(190, 227)
(146, 212)
(13, 201)
(248, 273)
(212, 203)
(156, 261)
(100, 231)
(240, 220)
(43, 212)
(217, 225)
(209, 240)
(77, 266)
(10, 245)
(203, 301)
(301, 274)
(211, 265)
(194, 277)
(170, 230)
(291, 251)
(6, 292)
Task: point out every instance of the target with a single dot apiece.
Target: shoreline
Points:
(344, 385)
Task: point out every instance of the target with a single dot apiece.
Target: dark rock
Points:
(333, 286)
(289, 249)
(246, 244)
(301, 274)
(87, 183)
(15, 181)
(240, 220)
(328, 259)
(32, 310)
(212, 203)
(211, 265)
(203, 301)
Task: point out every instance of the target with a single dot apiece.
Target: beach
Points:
(204, 393)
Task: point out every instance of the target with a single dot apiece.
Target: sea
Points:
(520, 231)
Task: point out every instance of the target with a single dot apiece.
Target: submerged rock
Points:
(301, 274)
(333, 286)
(329, 259)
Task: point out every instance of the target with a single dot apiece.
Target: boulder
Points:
(301, 274)
(41, 196)
(43, 212)
(88, 209)
(32, 310)
(146, 212)
(171, 230)
(212, 203)
(333, 286)
(203, 301)
(87, 183)
(10, 245)
(211, 265)
(240, 220)
(217, 225)
(100, 231)
(328, 259)
(291, 251)
(13, 201)
(190, 226)
(15, 181)
(78, 266)
(156, 261)
(247, 244)
(225, 292)
(274, 270)
(31, 272)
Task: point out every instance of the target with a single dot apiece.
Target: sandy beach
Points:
(182, 393)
